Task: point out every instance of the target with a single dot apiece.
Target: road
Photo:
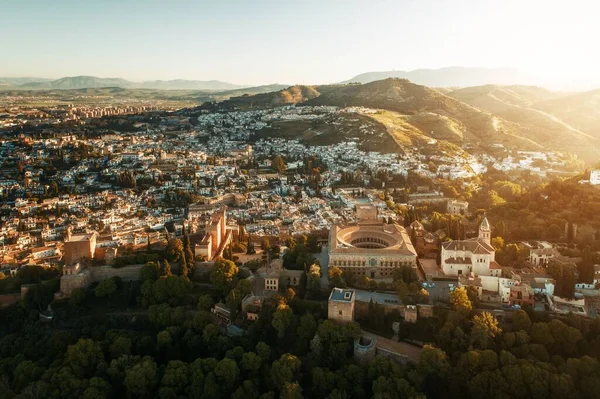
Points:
(323, 258)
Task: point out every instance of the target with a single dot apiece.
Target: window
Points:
(341, 313)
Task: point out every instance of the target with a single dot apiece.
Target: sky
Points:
(254, 42)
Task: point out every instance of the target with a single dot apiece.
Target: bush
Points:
(238, 247)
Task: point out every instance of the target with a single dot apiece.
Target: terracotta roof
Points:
(474, 245)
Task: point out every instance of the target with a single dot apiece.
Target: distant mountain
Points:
(183, 98)
(93, 82)
(450, 77)
(78, 82)
(419, 113)
(180, 84)
(21, 81)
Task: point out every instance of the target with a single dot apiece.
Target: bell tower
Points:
(485, 231)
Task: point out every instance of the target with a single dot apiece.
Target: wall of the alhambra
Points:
(131, 272)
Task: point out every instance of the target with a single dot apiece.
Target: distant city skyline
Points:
(311, 42)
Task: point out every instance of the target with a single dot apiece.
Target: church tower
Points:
(485, 231)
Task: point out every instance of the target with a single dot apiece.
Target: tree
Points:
(119, 347)
(521, 321)
(291, 390)
(251, 362)
(460, 300)
(282, 318)
(173, 290)
(485, 328)
(278, 164)
(570, 232)
(227, 372)
(223, 274)
(166, 269)
(205, 302)
(185, 270)
(174, 250)
(335, 277)
(150, 271)
(405, 273)
(250, 246)
(306, 330)
(314, 278)
(554, 232)
(498, 243)
(175, 380)
(283, 370)
(264, 351)
(402, 291)
(106, 288)
(78, 296)
(141, 379)
(265, 244)
(84, 357)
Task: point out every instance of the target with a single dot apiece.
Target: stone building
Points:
(79, 246)
(521, 294)
(371, 247)
(365, 349)
(216, 236)
(410, 314)
(457, 207)
(274, 274)
(340, 306)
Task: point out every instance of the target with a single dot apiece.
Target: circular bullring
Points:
(357, 237)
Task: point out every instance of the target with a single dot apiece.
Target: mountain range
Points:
(93, 82)
(451, 77)
(452, 107)
(521, 117)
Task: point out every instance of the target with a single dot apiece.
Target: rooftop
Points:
(342, 295)
(80, 237)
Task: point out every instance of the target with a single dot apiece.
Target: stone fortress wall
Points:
(90, 275)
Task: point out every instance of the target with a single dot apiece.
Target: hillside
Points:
(495, 98)
(561, 121)
(91, 82)
(581, 110)
(450, 77)
(480, 115)
(290, 95)
(432, 112)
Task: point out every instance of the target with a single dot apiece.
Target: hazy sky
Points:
(283, 41)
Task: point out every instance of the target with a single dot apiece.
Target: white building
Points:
(475, 255)
(457, 207)
(541, 253)
(595, 177)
